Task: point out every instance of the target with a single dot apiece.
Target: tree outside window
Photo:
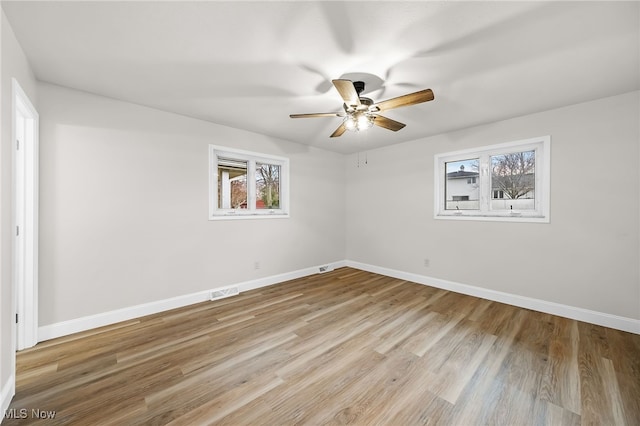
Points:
(268, 186)
(514, 174)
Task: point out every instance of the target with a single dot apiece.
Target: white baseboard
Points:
(606, 320)
(77, 325)
(65, 328)
(6, 394)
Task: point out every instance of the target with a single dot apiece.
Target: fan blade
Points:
(405, 100)
(388, 123)
(318, 114)
(339, 131)
(348, 91)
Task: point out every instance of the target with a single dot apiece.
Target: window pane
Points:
(267, 186)
(232, 184)
(462, 188)
(513, 181)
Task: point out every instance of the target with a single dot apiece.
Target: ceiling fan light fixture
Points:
(361, 113)
(358, 121)
(350, 123)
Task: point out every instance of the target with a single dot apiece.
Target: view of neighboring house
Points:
(515, 192)
(462, 185)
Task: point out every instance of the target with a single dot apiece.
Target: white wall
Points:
(585, 257)
(14, 65)
(124, 207)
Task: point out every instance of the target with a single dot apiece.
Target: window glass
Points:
(513, 179)
(267, 186)
(462, 188)
(232, 184)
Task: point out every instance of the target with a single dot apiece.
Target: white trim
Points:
(594, 317)
(25, 267)
(65, 328)
(7, 393)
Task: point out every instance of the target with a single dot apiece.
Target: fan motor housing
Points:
(365, 102)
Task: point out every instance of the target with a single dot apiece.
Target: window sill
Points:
(232, 216)
(492, 218)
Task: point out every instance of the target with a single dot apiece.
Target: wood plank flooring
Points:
(345, 347)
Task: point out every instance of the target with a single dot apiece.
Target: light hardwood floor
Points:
(345, 347)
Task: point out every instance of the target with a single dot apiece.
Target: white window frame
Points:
(542, 147)
(215, 213)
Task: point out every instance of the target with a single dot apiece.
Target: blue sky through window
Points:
(471, 165)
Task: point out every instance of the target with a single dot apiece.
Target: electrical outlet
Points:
(426, 262)
(256, 265)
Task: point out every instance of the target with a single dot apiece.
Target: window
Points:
(247, 185)
(461, 188)
(507, 182)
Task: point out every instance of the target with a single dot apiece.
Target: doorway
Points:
(25, 218)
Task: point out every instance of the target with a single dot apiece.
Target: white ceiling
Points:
(250, 64)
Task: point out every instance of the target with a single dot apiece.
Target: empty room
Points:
(320, 212)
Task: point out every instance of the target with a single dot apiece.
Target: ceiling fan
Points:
(361, 113)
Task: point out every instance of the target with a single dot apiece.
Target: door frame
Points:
(25, 148)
